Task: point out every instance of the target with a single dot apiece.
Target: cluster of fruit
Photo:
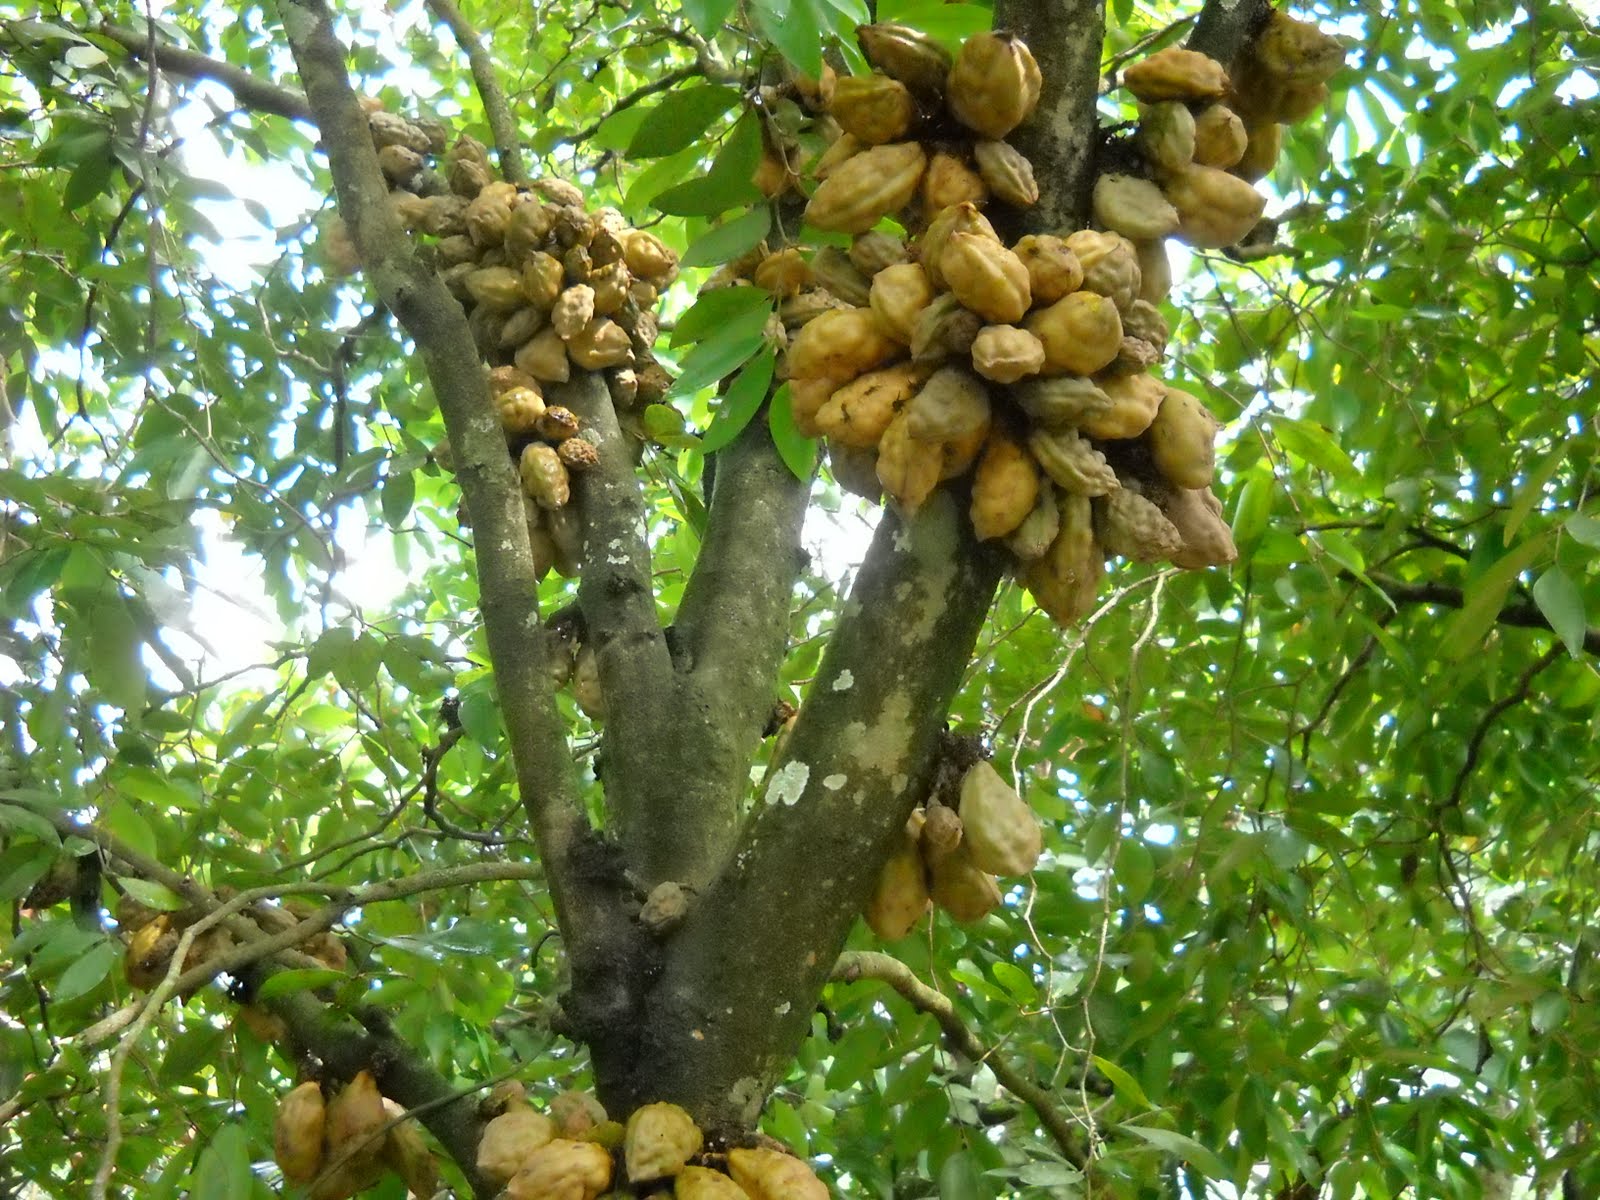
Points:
(548, 285)
(1030, 367)
(949, 855)
(342, 1146)
(153, 938)
(572, 1152)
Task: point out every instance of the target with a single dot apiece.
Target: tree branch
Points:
(495, 109)
(1226, 25)
(252, 93)
(1067, 37)
(1522, 616)
(508, 586)
(751, 960)
(732, 624)
(867, 964)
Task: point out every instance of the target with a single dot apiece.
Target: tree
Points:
(1315, 911)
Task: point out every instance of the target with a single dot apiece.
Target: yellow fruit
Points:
(1176, 74)
(856, 414)
(575, 1113)
(562, 1170)
(1155, 270)
(542, 280)
(908, 468)
(574, 309)
(1296, 51)
(352, 1121)
(1064, 580)
(297, 1133)
(1265, 141)
(1214, 207)
(1006, 354)
(586, 688)
(1007, 172)
(406, 1153)
(496, 288)
(1219, 137)
(1166, 134)
(959, 218)
(544, 356)
(1133, 207)
(660, 1140)
(949, 180)
(962, 888)
(1110, 265)
(149, 951)
(648, 257)
(768, 1175)
(1005, 488)
(867, 187)
(510, 1140)
(702, 1183)
(872, 108)
(841, 343)
(1001, 833)
(844, 148)
(985, 277)
(806, 398)
(898, 295)
(1183, 440)
(1081, 333)
(1135, 400)
(784, 273)
(994, 85)
(900, 896)
(940, 832)
(1053, 268)
(544, 476)
(600, 343)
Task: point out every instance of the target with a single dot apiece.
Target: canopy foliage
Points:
(1317, 911)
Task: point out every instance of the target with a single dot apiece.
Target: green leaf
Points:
(1561, 603)
(798, 452)
(719, 308)
(720, 354)
(1585, 529)
(1485, 596)
(114, 642)
(707, 16)
(740, 402)
(223, 1172)
(1532, 492)
(1186, 1148)
(682, 118)
(1126, 1085)
(83, 976)
(728, 183)
(152, 895)
(20, 819)
(1312, 443)
(666, 425)
(398, 495)
(960, 1179)
(283, 983)
(729, 240)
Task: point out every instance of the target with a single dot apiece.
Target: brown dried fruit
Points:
(937, 833)
(562, 1170)
(1005, 487)
(1214, 207)
(297, 1133)
(907, 54)
(985, 277)
(908, 468)
(770, 1175)
(660, 1141)
(784, 273)
(1176, 74)
(544, 476)
(1075, 465)
(876, 250)
(856, 472)
(576, 1113)
(1131, 525)
(1143, 320)
(467, 166)
(1296, 51)
(560, 192)
(352, 1120)
(1064, 580)
(833, 270)
(856, 414)
(1032, 538)
(578, 454)
(1053, 268)
(815, 93)
(1081, 333)
(400, 164)
(1006, 354)
(1219, 137)
(898, 295)
(1007, 172)
(962, 888)
(1002, 834)
(867, 187)
(1133, 207)
(520, 326)
(1134, 402)
(949, 180)
(149, 951)
(900, 896)
(391, 129)
(1261, 151)
(872, 108)
(944, 330)
(586, 688)
(520, 408)
(994, 85)
(556, 423)
(1182, 440)
(1166, 134)
(1060, 401)
(841, 343)
(1197, 516)
(953, 403)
